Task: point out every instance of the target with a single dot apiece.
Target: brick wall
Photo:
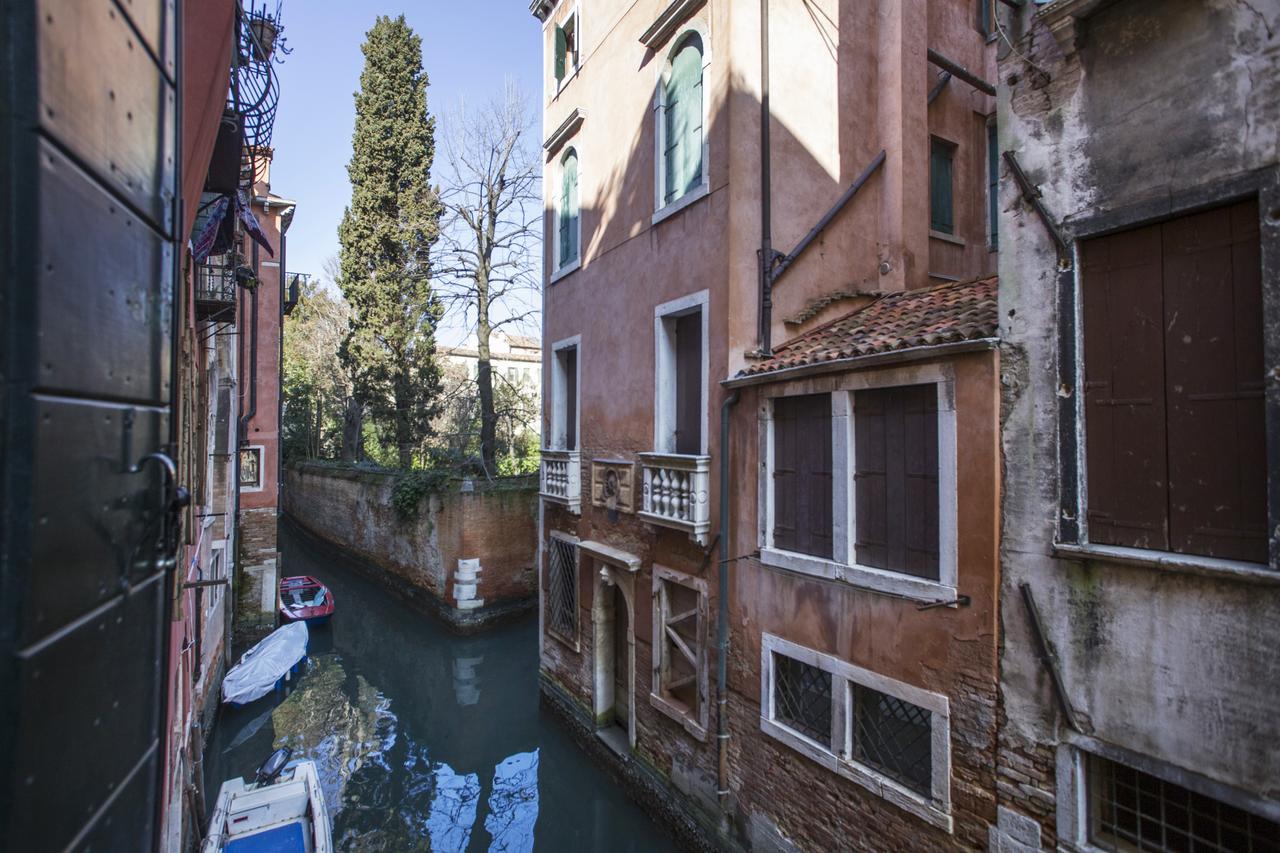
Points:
(492, 523)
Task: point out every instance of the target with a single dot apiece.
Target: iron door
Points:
(87, 133)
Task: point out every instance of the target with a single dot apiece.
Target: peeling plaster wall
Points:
(1141, 110)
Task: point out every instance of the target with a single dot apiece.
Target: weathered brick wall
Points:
(495, 523)
(258, 535)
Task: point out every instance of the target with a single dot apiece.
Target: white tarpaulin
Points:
(262, 666)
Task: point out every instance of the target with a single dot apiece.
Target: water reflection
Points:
(412, 753)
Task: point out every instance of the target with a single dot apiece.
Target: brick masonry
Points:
(431, 559)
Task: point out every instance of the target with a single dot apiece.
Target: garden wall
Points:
(468, 554)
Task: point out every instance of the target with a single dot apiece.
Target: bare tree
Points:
(488, 260)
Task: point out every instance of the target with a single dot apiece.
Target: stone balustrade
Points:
(676, 492)
(562, 478)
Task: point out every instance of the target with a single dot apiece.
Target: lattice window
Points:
(679, 674)
(894, 737)
(562, 590)
(802, 698)
(1132, 810)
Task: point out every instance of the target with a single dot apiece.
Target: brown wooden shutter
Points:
(802, 511)
(896, 479)
(1213, 384)
(571, 399)
(1124, 389)
(689, 383)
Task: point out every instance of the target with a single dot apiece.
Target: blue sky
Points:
(312, 136)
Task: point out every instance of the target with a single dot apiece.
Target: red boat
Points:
(305, 599)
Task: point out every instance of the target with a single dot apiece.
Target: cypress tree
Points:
(386, 237)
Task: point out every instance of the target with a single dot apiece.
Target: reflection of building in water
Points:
(513, 803)
(466, 679)
(319, 721)
(453, 809)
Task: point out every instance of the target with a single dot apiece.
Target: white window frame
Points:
(559, 381)
(262, 467)
(575, 642)
(935, 809)
(559, 269)
(662, 209)
(844, 565)
(694, 724)
(664, 370)
(570, 70)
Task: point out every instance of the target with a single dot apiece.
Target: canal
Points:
(425, 740)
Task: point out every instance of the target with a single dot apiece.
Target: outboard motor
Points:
(272, 767)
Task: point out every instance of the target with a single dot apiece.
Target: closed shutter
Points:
(571, 398)
(1124, 389)
(561, 50)
(896, 479)
(802, 511)
(569, 210)
(682, 118)
(940, 205)
(689, 383)
(993, 179)
(1213, 383)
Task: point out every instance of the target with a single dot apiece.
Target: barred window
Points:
(802, 698)
(562, 590)
(1132, 810)
(894, 737)
(679, 650)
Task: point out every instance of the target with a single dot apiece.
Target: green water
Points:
(425, 740)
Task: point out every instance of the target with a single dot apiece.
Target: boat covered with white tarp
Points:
(267, 665)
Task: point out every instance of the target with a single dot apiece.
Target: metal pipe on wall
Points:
(764, 335)
(722, 619)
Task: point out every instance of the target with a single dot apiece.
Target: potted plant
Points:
(264, 29)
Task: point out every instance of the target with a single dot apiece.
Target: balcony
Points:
(562, 478)
(216, 292)
(676, 493)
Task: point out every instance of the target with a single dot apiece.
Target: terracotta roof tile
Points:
(948, 313)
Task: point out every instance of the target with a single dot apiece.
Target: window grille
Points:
(1132, 810)
(563, 589)
(802, 698)
(894, 737)
(681, 609)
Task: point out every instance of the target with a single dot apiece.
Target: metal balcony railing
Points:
(562, 478)
(216, 291)
(293, 284)
(676, 492)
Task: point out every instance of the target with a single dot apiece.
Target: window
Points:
(1173, 376)
(566, 61)
(680, 125)
(512, 375)
(993, 183)
(680, 391)
(564, 391)
(251, 468)
(985, 25)
(941, 216)
(888, 736)
(859, 484)
(1132, 810)
(896, 479)
(569, 224)
(679, 650)
(562, 588)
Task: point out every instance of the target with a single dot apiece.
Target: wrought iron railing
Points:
(677, 492)
(293, 284)
(216, 290)
(562, 478)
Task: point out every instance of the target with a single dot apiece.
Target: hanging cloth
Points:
(203, 245)
(251, 225)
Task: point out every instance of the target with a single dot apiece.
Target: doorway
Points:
(613, 615)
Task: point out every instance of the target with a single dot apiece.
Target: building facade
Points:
(802, 654)
(1141, 426)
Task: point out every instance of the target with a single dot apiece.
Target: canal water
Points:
(425, 740)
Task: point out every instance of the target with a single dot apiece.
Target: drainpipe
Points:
(242, 434)
(764, 334)
(722, 621)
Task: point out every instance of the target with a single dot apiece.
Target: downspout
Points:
(764, 334)
(283, 276)
(722, 620)
(242, 434)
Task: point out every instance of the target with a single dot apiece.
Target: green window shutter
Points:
(984, 17)
(682, 116)
(561, 50)
(993, 183)
(568, 218)
(940, 203)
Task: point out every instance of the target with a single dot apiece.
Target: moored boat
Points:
(267, 666)
(305, 599)
(282, 811)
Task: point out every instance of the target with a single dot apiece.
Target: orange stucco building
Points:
(854, 546)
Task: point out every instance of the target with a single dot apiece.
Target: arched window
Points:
(681, 113)
(569, 221)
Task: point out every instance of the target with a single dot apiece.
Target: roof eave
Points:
(837, 365)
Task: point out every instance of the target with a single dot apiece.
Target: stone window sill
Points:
(1168, 561)
(946, 238)
(565, 270)
(863, 577)
(698, 192)
(680, 715)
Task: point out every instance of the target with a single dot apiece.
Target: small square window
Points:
(894, 737)
(802, 698)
